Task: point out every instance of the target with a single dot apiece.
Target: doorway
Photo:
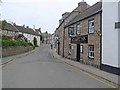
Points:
(58, 48)
(78, 52)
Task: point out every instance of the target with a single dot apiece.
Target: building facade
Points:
(82, 36)
(66, 18)
(111, 37)
(93, 36)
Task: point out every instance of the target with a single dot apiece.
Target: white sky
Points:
(43, 14)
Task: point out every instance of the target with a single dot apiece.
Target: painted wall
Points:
(119, 35)
(110, 34)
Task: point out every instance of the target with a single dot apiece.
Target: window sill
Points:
(90, 57)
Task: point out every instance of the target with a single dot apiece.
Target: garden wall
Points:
(9, 51)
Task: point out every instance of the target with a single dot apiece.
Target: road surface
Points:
(41, 70)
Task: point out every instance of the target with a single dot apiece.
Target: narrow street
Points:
(41, 70)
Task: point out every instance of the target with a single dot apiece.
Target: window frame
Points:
(77, 29)
(81, 48)
(70, 31)
(91, 53)
(91, 27)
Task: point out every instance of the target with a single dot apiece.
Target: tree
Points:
(35, 41)
(3, 24)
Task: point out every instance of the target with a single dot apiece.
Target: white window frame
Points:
(81, 48)
(91, 51)
(78, 29)
(91, 26)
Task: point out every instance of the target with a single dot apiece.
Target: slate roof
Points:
(26, 30)
(87, 13)
(10, 27)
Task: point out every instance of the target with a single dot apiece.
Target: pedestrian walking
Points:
(51, 46)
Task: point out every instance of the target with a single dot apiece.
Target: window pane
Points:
(78, 29)
(81, 49)
(91, 26)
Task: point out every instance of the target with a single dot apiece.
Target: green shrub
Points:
(35, 41)
(10, 43)
(4, 37)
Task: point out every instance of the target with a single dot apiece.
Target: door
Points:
(78, 52)
(58, 48)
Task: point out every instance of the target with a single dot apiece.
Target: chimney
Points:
(60, 21)
(82, 6)
(27, 26)
(64, 15)
(34, 27)
(24, 25)
(14, 24)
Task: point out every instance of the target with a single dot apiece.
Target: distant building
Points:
(25, 33)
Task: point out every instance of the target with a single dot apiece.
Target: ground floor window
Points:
(91, 51)
(81, 48)
(70, 49)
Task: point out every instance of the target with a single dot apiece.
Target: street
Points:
(41, 70)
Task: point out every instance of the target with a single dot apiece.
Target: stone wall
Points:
(93, 39)
(9, 51)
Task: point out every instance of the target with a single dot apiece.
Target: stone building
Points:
(83, 36)
(66, 18)
(92, 36)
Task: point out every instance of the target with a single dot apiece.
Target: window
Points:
(70, 49)
(78, 29)
(91, 52)
(71, 30)
(91, 26)
(81, 48)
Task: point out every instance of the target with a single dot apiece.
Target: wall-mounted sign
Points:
(117, 25)
(79, 39)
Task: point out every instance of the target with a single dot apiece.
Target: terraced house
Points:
(66, 18)
(25, 33)
(28, 33)
(83, 36)
(92, 37)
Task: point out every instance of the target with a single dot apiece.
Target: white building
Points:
(111, 36)
(29, 34)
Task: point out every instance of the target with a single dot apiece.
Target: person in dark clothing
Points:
(51, 46)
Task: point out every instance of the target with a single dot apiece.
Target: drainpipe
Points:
(63, 37)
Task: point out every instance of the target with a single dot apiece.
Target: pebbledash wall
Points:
(110, 37)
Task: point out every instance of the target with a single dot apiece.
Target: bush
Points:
(10, 43)
(4, 37)
(32, 45)
(35, 41)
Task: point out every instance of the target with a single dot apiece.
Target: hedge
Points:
(4, 37)
(10, 43)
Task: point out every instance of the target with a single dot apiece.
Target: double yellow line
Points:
(90, 75)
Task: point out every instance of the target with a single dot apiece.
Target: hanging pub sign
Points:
(79, 39)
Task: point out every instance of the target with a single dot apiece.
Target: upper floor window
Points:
(71, 31)
(78, 29)
(91, 26)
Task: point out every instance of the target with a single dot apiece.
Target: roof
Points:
(96, 8)
(26, 30)
(10, 27)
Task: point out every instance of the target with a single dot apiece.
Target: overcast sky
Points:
(44, 14)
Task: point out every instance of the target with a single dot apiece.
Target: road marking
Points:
(92, 76)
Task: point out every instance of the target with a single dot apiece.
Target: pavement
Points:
(90, 69)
